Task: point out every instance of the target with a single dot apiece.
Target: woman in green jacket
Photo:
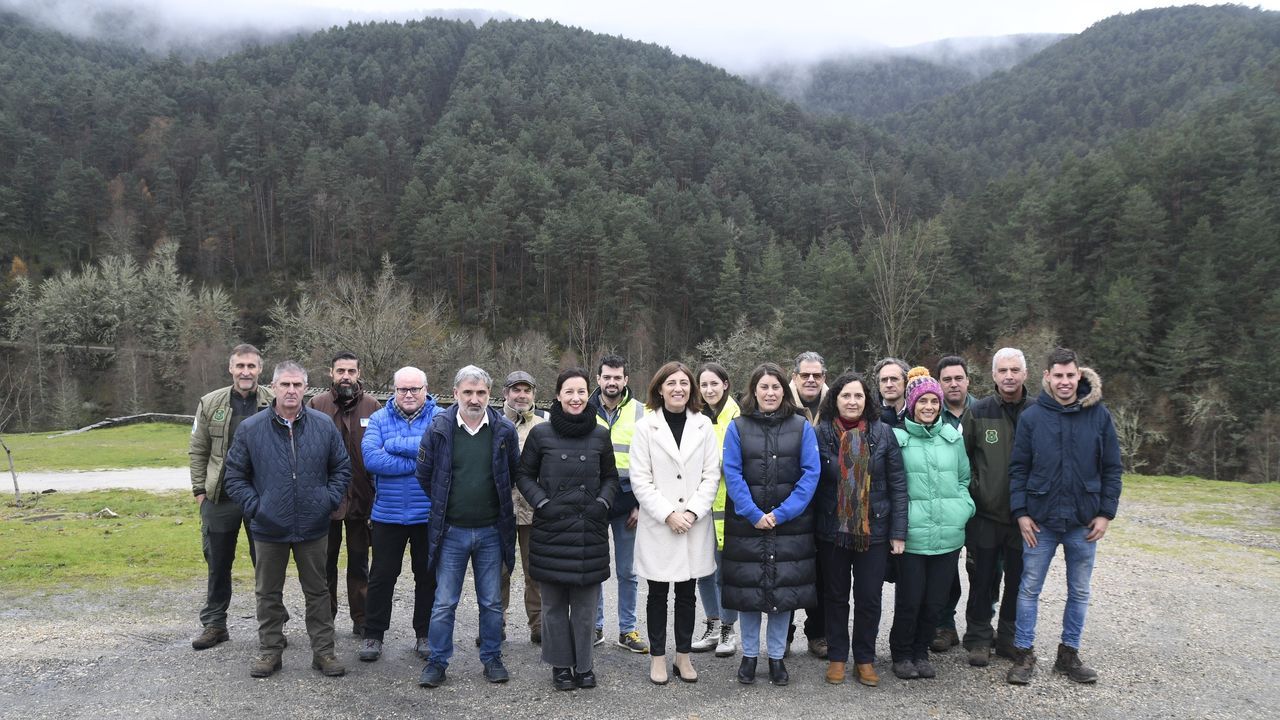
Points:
(939, 506)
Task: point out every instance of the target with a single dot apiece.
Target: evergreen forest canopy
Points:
(528, 195)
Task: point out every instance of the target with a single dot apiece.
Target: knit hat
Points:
(920, 383)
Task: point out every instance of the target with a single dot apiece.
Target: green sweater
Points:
(938, 498)
(473, 496)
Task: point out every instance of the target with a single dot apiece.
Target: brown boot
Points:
(867, 674)
(835, 672)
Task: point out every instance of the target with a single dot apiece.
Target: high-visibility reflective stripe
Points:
(619, 447)
(717, 515)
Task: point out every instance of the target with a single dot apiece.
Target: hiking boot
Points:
(422, 649)
(599, 637)
(370, 650)
(586, 680)
(835, 672)
(432, 675)
(747, 670)
(632, 642)
(263, 665)
(818, 647)
(535, 636)
(1068, 663)
(944, 640)
(209, 637)
(328, 665)
(357, 629)
(905, 670)
(1006, 650)
(778, 674)
(728, 646)
(867, 674)
(979, 656)
(1024, 666)
(925, 669)
(496, 672)
(710, 637)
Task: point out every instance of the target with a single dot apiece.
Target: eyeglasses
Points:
(810, 376)
(410, 391)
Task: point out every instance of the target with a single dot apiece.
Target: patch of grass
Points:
(1197, 502)
(131, 446)
(57, 543)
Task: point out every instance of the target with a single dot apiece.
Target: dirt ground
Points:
(1180, 626)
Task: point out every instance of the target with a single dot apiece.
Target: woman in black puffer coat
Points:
(567, 473)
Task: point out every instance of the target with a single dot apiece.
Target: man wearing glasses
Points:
(808, 387)
(891, 380)
(400, 509)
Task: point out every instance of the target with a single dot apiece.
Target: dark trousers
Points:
(532, 600)
(815, 618)
(865, 570)
(989, 563)
(357, 565)
(388, 558)
(923, 584)
(656, 610)
(568, 624)
(273, 559)
(219, 531)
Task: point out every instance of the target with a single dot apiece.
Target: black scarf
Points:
(579, 425)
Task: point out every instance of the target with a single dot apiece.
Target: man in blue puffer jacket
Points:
(288, 469)
(400, 509)
(1064, 489)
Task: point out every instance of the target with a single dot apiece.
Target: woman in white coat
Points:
(675, 470)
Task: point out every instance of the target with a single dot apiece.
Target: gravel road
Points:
(1180, 627)
(153, 479)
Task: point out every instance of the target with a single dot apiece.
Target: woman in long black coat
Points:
(568, 475)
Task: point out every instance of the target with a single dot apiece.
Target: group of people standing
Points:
(802, 496)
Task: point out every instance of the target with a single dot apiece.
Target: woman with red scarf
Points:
(861, 511)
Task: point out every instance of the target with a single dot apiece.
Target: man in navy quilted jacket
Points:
(288, 469)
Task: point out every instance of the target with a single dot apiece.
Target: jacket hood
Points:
(1088, 393)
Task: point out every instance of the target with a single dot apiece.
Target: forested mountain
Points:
(1125, 73)
(541, 194)
(871, 86)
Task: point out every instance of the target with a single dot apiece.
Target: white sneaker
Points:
(728, 645)
(710, 636)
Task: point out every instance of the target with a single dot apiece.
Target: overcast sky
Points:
(735, 34)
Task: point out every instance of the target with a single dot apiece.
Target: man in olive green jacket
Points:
(217, 417)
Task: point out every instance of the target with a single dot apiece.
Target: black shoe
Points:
(925, 669)
(1069, 664)
(905, 670)
(586, 680)
(747, 670)
(495, 671)
(357, 629)
(562, 678)
(432, 675)
(778, 672)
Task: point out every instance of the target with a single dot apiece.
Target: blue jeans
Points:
(775, 637)
(1079, 554)
(624, 552)
(709, 591)
(483, 548)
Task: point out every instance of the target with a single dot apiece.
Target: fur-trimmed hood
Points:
(1089, 392)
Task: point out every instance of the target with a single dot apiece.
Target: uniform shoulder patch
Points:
(220, 414)
(993, 436)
